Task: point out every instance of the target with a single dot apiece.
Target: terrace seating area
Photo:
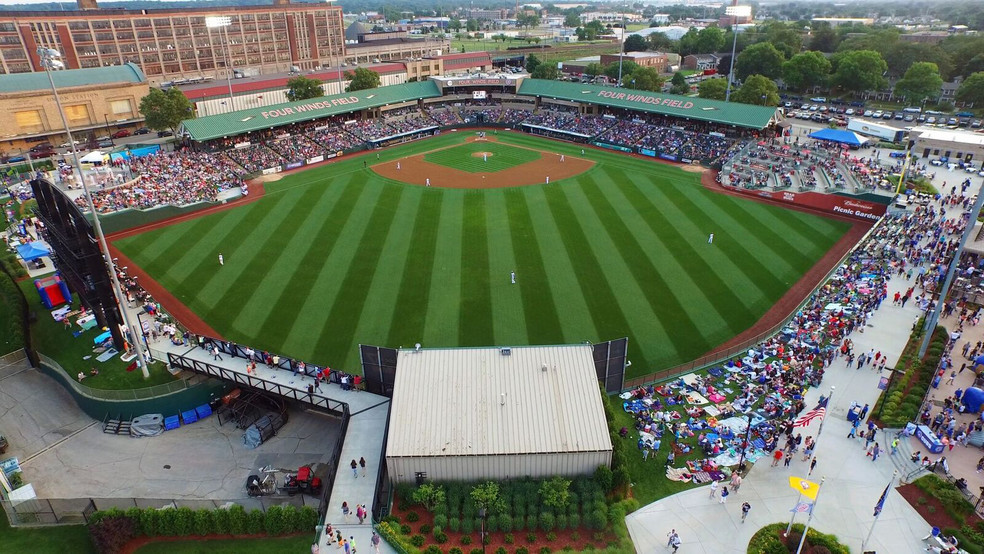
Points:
(255, 157)
(295, 148)
(175, 178)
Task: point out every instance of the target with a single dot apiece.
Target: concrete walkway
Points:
(853, 482)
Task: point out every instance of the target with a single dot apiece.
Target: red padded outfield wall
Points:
(861, 209)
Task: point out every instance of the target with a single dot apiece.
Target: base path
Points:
(415, 170)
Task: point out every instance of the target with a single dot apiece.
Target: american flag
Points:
(815, 413)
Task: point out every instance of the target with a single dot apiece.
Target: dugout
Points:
(496, 413)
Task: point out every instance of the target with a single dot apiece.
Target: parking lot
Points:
(822, 110)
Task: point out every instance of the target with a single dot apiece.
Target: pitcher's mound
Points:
(482, 154)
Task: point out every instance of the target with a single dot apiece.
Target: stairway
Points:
(908, 470)
(116, 425)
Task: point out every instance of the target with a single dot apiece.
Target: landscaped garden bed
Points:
(945, 507)
(521, 516)
(902, 399)
(772, 539)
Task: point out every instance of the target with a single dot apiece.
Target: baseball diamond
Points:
(347, 253)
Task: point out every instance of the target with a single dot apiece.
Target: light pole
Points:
(106, 119)
(222, 22)
(735, 12)
(621, 55)
(49, 60)
(827, 406)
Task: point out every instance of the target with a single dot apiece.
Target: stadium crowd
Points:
(175, 178)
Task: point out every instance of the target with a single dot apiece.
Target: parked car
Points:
(899, 116)
(976, 124)
(102, 138)
(105, 144)
(165, 133)
(909, 117)
(849, 111)
(876, 115)
(867, 113)
(141, 131)
(887, 115)
(121, 133)
(921, 118)
(15, 159)
(69, 144)
(951, 121)
(931, 119)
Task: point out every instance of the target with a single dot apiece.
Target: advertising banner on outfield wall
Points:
(295, 165)
(647, 152)
(315, 159)
(271, 170)
(831, 203)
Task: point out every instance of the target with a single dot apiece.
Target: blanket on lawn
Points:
(690, 379)
(678, 474)
(696, 398)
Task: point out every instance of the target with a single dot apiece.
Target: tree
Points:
(860, 71)
(975, 64)
(921, 81)
(712, 89)
(724, 65)
(679, 83)
(635, 43)
(971, 91)
(759, 59)
(471, 25)
(710, 40)
(362, 79)
(688, 42)
(758, 89)
(429, 495)
(555, 493)
(806, 70)
(487, 496)
(643, 78)
(659, 42)
(527, 20)
(532, 62)
(782, 36)
(454, 25)
(165, 110)
(824, 38)
(302, 88)
(628, 66)
(572, 18)
(546, 71)
(594, 69)
(902, 55)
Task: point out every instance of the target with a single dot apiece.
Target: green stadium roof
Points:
(729, 113)
(38, 80)
(254, 119)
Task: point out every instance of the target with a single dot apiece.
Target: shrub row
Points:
(899, 408)
(110, 530)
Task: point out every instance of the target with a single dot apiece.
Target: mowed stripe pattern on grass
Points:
(337, 256)
(467, 157)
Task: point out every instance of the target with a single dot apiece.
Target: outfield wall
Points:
(836, 204)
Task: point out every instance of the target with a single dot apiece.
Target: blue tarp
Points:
(839, 135)
(32, 250)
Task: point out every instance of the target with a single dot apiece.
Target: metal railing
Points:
(113, 394)
(64, 511)
(313, 400)
(336, 455)
(720, 356)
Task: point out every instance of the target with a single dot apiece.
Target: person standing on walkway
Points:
(864, 412)
(375, 541)
(355, 468)
(895, 446)
(776, 457)
(674, 540)
(735, 481)
(346, 511)
(352, 544)
(745, 508)
(724, 495)
(714, 488)
(360, 513)
(854, 428)
(362, 463)
(215, 353)
(813, 465)
(874, 452)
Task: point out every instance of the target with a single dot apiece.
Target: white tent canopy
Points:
(94, 157)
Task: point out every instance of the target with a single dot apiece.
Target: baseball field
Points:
(362, 251)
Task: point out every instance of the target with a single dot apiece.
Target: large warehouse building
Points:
(468, 414)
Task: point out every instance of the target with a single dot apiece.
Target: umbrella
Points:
(763, 143)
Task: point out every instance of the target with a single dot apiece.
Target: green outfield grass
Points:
(337, 256)
(465, 158)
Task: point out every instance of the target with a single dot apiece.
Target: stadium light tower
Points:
(223, 22)
(50, 61)
(735, 12)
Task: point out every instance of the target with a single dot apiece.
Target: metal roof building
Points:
(26, 82)
(493, 413)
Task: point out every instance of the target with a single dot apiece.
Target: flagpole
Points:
(878, 513)
(792, 517)
(820, 430)
(809, 519)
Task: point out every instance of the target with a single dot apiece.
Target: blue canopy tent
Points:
(32, 251)
(849, 138)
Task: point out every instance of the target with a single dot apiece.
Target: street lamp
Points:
(106, 119)
(735, 12)
(223, 22)
(49, 60)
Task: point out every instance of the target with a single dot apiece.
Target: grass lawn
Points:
(236, 546)
(53, 340)
(45, 540)
(337, 256)
(465, 157)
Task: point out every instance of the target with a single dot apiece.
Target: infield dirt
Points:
(415, 170)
